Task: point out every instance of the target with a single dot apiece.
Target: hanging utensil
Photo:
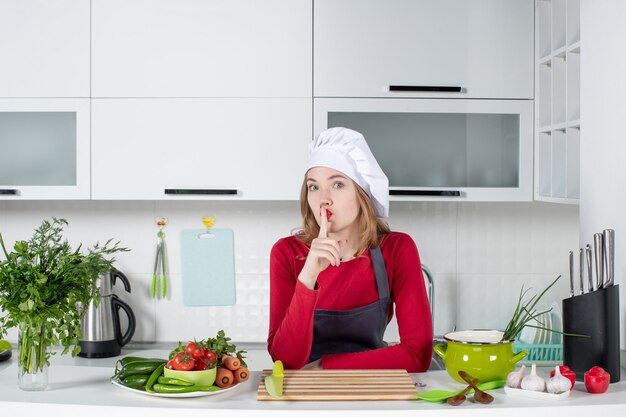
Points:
(609, 256)
(159, 277)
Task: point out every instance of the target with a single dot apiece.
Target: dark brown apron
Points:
(356, 330)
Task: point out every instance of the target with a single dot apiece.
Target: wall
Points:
(480, 255)
(603, 147)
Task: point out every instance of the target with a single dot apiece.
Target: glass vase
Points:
(32, 363)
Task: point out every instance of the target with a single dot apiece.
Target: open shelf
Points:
(558, 23)
(573, 21)
(557, 96)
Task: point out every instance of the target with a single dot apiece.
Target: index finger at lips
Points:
(323, 223)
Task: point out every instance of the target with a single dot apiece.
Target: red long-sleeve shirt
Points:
(350, 285)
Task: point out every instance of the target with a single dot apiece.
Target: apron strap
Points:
(382, 282)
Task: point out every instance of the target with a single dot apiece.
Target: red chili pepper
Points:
(597, 380)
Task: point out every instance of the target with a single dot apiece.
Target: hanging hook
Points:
(208, 222)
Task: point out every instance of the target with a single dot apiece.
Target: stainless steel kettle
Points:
(102, 335)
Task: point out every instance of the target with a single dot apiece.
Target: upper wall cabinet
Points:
(202, 48)
(424, 48)
(211, 148)
(44, 48)
(44, 149)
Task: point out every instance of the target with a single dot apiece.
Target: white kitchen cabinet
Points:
(44, 149)
(44, 48)
(250, 149)
(557, 107)
(363, 47)
(201, 48)
(443, 149)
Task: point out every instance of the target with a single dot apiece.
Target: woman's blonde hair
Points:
(372, 229)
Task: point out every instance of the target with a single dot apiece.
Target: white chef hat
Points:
(346, 151)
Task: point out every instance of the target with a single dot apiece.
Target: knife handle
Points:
(589, 254)
(581, 270)
(609, 255)
(571, 273)
(598, 247)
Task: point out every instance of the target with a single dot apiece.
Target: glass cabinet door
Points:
(470, 149)
(44, 148)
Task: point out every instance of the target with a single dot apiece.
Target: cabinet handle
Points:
(209, 191)
(9, 191)
(438, 193)
(427, 88)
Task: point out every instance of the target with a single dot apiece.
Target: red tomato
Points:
(210, 356)
(170, 364)
(567, 373)
(597, 380)
(191, 349)
(201, 366)
(183, 362)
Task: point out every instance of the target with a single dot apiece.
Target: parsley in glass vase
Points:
(42, 283)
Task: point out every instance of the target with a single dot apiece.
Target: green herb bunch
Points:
(525, 313)
(41, 282)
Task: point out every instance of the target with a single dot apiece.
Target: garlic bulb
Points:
(514, 379)
(558, 383)
(533, 382)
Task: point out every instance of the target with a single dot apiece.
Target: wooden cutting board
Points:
(342, 385)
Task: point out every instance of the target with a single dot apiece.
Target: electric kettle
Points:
(102, 335)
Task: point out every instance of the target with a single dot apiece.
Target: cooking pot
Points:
(481, 353)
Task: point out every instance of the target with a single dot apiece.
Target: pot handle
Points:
(118, 304)
(519, 356)
(440, 350)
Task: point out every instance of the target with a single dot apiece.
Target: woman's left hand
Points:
(315, 365)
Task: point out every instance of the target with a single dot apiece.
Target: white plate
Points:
(556, 323)
(546, 334)
(528, 335)
(523, 393)
(181, 395)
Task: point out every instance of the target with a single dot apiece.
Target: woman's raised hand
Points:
(324, 252)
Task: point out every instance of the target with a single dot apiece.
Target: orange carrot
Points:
(242, 374)
(224, 377)
(230, 362)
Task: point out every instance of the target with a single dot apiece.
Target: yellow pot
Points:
(480, 353)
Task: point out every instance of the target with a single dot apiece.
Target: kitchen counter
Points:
(80, 386)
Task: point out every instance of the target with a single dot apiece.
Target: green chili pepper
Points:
(154, 376)
(120, 364)
(173, 381)
(135, 381)
(177, 389)
(139, 368)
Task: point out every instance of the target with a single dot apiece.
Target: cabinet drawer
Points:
(202, 48)
(199, 148)
(44, 149)
(436, 149)
(362, 47)
(44, 48)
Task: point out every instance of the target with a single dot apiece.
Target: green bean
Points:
(177, 389)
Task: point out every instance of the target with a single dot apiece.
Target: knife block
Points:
(595, 314)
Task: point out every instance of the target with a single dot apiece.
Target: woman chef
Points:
(333, 284)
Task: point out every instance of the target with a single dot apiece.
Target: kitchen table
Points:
(81, 386)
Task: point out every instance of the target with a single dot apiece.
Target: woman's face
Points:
(335, 192)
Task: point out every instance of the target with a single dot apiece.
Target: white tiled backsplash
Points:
(480, 255)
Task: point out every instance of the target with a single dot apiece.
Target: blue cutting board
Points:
(208, 267)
